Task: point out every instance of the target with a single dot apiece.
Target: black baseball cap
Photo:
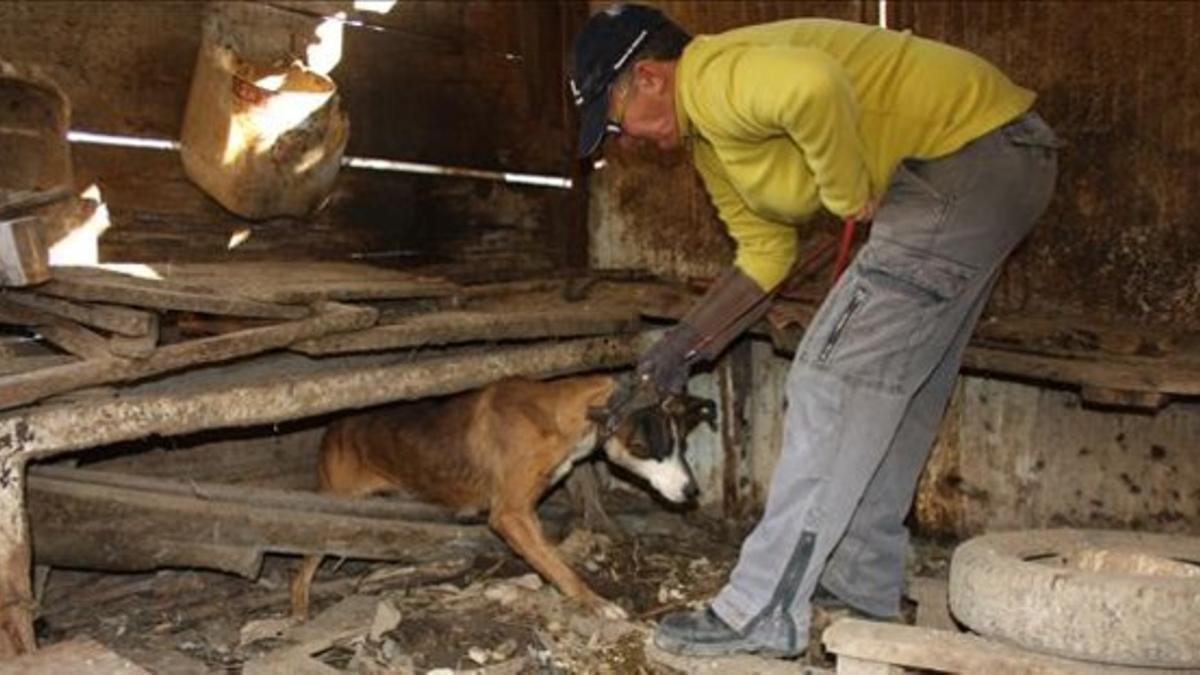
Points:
(604, 46)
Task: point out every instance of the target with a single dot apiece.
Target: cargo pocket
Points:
(894, 303)
(926, 278)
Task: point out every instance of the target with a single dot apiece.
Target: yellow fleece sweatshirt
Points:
(787, 117)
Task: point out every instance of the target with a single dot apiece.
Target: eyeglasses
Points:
(614, 123)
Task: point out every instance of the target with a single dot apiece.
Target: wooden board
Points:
(457, 326)
(31, 386)
(111, 318)
(291, 283)
(95, 284)
(130, 523)
(63, 333)
(265, 395)
(945, 651)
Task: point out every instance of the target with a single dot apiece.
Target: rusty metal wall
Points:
(649, 211)
(1012, 455)
(446, 82)
(1119, 83)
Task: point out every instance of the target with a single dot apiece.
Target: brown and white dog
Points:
(500, 448)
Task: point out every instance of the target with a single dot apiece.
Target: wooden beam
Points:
(35, 385)
(112, 318)
(939, 650)
(458, 326)
(93, 284)
(1132, 374)
(265, 399)
(131, 523)
(289, 283)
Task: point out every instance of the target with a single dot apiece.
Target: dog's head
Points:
(648, 437)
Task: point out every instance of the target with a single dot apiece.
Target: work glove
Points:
(665, 363)
(731, 304)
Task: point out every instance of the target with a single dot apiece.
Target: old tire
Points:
(1020, 587)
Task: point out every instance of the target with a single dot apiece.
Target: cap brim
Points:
(592, 123)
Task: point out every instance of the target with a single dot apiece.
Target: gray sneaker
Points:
(703, 633)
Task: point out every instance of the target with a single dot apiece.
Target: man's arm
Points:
(765, 254)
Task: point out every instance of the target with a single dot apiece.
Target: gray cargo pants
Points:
(872, 377)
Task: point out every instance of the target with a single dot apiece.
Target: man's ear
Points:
(650, 75)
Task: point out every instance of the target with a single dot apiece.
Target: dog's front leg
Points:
(520, 527)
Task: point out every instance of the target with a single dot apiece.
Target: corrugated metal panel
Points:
(1118, 81)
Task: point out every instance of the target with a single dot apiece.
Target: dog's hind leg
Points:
(302, 580)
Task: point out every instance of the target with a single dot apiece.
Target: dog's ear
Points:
(699, 410)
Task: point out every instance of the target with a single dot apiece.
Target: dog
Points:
(500, 448)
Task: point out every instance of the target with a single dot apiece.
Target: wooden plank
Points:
(64, 334)
(23, 364)
(1135, 374)
(294, 500)
(289, 283)
(79, 656)
(148, 524)
(457, 326)
(268, 398)
(35, 385)
(112, 318)
(102, 285)
(929, 649)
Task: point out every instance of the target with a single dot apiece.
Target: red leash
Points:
(843, 252)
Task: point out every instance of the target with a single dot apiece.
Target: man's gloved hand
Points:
(665, 363)
(731, 304)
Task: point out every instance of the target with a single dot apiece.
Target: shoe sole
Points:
(707, 650)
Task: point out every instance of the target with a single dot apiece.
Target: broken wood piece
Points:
(94, 284)
(62, 333)
(111, 318)
(77, 522)
(945, 651)
(32, 386)
(349, 619)
(79, 656)
(135, 347)
(457, 326)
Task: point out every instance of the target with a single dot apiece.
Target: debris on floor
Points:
(485, 613)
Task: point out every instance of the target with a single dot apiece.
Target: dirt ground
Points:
(489, 614)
